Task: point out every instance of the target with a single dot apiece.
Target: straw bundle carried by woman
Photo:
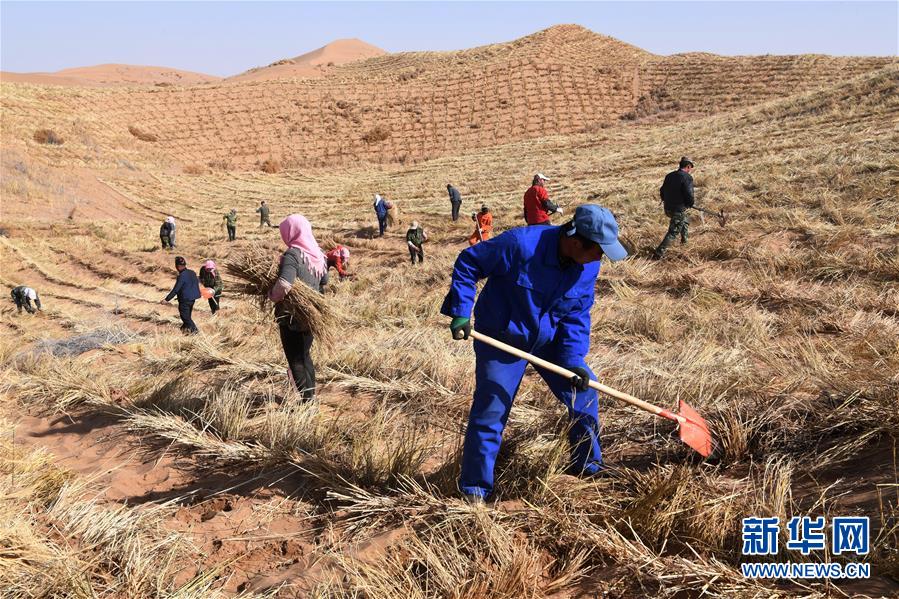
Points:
(257, 272)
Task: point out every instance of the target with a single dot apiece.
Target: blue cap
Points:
(598, 224)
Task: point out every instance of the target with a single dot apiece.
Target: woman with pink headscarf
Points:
(210, 278)
(303, 261)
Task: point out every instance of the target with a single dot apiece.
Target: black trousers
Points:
(297, 346)
(232, 232)
(416, 252)
(185, 311)
(382, 225)
(214, 303)
(455, 209)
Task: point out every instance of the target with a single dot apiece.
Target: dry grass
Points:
(48, 136)
(142, 135)
(258, 273)
(780, 328)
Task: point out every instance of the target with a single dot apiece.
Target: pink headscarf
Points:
(344, 253)
(297, 233)
(209, 265)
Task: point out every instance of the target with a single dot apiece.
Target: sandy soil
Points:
(109, 75)
(317, 63)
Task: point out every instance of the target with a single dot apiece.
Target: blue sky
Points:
(225, 38)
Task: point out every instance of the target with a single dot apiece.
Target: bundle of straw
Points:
(257, 273)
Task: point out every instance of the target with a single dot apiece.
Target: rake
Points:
(693, 429)
(722, 220)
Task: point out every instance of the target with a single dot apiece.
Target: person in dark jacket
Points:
(263, 214)
(22, 296)
(211, 279)
(187, 288)
(539, 292)
(455, 200)
(304, 262)
(538, 208)
(676, 195)
(167, 233)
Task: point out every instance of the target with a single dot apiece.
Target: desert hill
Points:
(313, 64)
(106, 75)
(413, 106)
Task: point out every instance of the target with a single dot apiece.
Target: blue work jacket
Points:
(381, 209)
(529, 301)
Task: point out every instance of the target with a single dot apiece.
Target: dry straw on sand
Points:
(257, 273)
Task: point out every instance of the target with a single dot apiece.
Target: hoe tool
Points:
(722, 220)
(693, 429)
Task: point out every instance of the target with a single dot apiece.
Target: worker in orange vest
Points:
(484, 225)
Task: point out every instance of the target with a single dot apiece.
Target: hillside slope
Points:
(415, 106)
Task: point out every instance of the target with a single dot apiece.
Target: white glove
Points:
(559, 211)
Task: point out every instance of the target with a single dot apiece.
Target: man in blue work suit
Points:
(537, 298)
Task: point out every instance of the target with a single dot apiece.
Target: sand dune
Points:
(109, 75)
(313, 64)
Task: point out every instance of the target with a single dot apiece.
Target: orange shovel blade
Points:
(694, 431)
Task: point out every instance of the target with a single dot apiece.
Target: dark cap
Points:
(180, 261)
(686, 161)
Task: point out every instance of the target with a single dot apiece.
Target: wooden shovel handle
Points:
(634, 401)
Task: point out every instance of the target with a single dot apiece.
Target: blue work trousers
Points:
(498, 376)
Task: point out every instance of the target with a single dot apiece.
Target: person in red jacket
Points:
(537, 205)
(339, 258)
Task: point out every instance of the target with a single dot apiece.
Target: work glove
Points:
(559, 210)
(460, 327)
(581, 378)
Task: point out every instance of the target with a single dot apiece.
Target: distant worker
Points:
(676, 195)
(381, 207)
(22, 296)
(339, 259)
(263, 214)
(483, 225)
(537, 206)
(455, 200)
(230, 221)
(302, 262)
(538, 295)
(167, 233)
(211, 279)
(415, 238)
(187, 288)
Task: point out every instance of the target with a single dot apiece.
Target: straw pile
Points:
(257, 273)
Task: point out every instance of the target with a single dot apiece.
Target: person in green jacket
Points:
(231, 223)
(415, 237)
(210, 278)
(263, 214)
